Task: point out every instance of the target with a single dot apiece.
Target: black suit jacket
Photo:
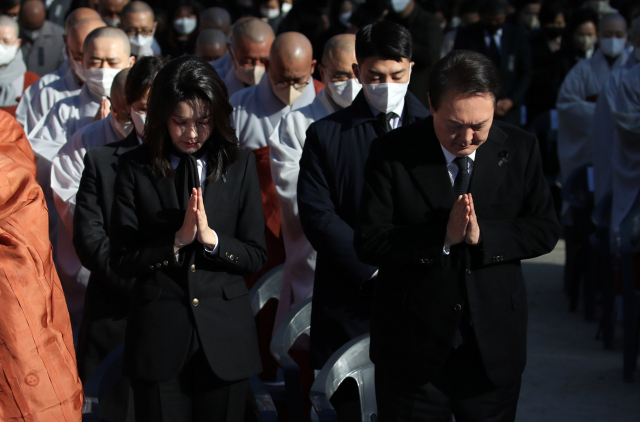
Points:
(406, 201)
(106, 299)
(200, 291)
(515, 61)
(329, 188)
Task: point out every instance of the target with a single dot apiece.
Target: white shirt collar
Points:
(449, 157)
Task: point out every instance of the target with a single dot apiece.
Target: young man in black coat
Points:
(331, 179)
(450, 207)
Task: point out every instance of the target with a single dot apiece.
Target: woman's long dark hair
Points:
(183, 79)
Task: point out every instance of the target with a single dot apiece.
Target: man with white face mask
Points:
(24, 107)
(287, 142)
(106, 51)
(71, 82)
(249, 51)
(332, 176)
(137, 20)
(604, 135)
(287, 86)
(580, 91)
(14, 76)
(66, 172)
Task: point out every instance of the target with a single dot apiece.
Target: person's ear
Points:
(356, 72)
(321, 71)
(132, 60)
(313, 66)
(19, 42)
(267, 65)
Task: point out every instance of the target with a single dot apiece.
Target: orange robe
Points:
(14, 142)
(38, 373)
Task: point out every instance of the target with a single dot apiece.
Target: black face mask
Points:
(492, 29)
(552, 32)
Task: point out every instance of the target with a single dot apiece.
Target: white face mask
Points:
(99, 81)
(7, 53)
(286, 7)
(455, 21)
(399, 6)
(138, 121)
(122, 129)
(584, 42)
(344, 92)
(31, 34)
(613, 47)
(344, 18)
(287, 95)
(385, 97)
(112, 22)
(77, 69)
(141, 45)
(185, 26)
(269, 13)
(599, 6)
(249, 75)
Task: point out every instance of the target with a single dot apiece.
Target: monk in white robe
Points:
(287, 143)
(71, 83)
(24, 111)
(102, 46)
(579, 92)
(626, 149)
(222, 65)
(249, 51)
(604, 131)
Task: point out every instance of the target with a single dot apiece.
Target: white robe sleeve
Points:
(603, 136)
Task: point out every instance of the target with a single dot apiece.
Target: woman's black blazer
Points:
(198, 290)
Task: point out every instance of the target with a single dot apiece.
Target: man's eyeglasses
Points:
(296, 86)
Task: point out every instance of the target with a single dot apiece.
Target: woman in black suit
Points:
(188, 223)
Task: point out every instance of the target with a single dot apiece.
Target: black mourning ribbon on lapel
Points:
(186, 174)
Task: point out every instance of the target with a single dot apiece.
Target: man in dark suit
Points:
(507, 46)
(331, 179)
(450, 207)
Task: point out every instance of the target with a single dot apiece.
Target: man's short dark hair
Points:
(465, 73)
(385, 39)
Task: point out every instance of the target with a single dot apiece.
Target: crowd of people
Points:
(184, 149)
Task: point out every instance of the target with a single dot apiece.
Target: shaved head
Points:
(32, 14)
(291, 47)
(78, 33)
(80, 13)
(110, 33)
(117, 95)
(6, 21)
(253, 31)
(211, 44)
(137, 7)
(338, 46)
(216, 18)
(612, 22)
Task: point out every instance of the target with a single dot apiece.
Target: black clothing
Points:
(427, 36)
(329, 188)
(543, 91)
(198, 293)
(514, 66)
(421, 293)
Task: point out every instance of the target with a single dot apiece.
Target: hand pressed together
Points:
(195, 225)
(463, 223)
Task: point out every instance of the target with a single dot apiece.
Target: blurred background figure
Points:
(183, 29)
(216, 18)
(110, 11)
(545, 47)
(580, 91)
(426, 31)
(14, 76)
(138, 21)
(580, 42)
(270, 12)
(507, 46)
(42, 41)
(468, 12)
(249, 52)
(10, 8)
(211, 44)
(601, 7)
(527, 15)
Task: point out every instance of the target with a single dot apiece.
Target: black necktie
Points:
(494, 52)
(384, 120)
(461, 184)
